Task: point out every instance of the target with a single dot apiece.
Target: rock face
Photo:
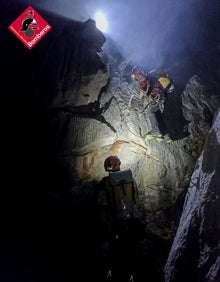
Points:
(83, 108)
(113, 123)
(194, 255)
(73, 104)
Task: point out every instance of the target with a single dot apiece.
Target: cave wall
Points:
(194, 255)
(75, 109)
(67, 107)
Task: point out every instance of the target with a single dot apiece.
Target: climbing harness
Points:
(153, 101)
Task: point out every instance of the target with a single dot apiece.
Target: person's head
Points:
(138, 73)
(112, 163)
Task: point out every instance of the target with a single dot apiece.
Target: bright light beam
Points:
(101, 21)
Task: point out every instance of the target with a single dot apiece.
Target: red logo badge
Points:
(30, 27)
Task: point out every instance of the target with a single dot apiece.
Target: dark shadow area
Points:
(173, 116)
(72, 246)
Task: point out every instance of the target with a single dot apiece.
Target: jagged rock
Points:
(197, 108)
(194, 255)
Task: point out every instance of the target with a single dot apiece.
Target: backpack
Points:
(123, 195)
(164, 81)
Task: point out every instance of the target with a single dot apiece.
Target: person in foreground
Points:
(120, 217)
